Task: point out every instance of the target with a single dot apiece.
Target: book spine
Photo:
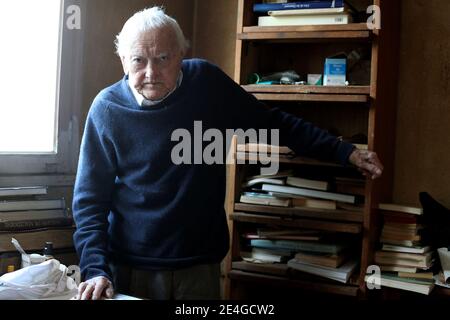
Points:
(34, 224)
(265, 7)
(12, 192)
(32, 205)
(323, 248)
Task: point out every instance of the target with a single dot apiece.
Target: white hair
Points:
(147, 20)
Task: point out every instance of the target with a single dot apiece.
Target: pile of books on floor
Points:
(30, 216)
(307, 251)
(286, 190)
(306, 12)
(404, 259)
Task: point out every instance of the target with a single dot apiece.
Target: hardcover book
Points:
(341, 274)
(266, 7)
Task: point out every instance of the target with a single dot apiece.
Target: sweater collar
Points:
(143, 102)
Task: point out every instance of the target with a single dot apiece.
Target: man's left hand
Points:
(367, 162)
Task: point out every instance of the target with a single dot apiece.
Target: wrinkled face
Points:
(154, 63)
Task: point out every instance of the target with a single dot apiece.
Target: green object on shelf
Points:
(253, 78)
(268, 82)
(285, 77)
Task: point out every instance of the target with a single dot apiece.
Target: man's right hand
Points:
(95, 289)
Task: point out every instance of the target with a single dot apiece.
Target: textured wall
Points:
(104, 20)
(423, 121)
(215, 32)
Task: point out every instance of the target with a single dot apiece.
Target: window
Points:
(40, 61)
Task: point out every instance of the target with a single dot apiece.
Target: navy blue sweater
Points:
(132, 205)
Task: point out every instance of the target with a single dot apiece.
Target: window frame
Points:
(68, 108)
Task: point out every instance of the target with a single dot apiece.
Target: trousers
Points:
(201, 282)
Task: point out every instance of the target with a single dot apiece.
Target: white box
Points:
(315, 80)
(335, 72)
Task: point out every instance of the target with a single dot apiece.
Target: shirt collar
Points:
(143, 102)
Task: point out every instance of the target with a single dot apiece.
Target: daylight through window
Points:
(29, 57)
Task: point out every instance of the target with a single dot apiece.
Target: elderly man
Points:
(145, 225)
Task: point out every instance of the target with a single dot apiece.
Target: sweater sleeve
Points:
(243, 111)
(93, 190)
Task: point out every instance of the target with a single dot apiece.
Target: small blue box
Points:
(335, 72)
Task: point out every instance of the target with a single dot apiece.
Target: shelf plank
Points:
(343, 227)
(313, 28)
(308, 89)
(253, 157)
(277, 269)
(338, 215)
(356, 31)
(441, 291)
(305, 35)
(311, 97)
(347, 290)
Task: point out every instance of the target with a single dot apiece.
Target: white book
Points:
(253, 182)
(307, 20)
(301, 12)
(307, 183)
(400, 208)
(391, 247)
(404, 262)
(265, 255)
(32, 205)
(393, 268)
(22, 191)
(395, 282)
(423, 257)
(309, 193)
(266, 200)
(341, 274)
(279, 175)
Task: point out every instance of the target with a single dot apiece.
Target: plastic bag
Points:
(46, 280)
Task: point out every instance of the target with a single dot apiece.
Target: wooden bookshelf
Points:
(367, 106)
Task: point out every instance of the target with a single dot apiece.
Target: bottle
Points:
(48, 251)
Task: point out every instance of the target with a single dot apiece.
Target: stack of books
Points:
(287, 190)
(30, 216)
(404, 259)
(26, 208)
(307, 12)
(276, 245)
(327, 260)
(313, 255)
